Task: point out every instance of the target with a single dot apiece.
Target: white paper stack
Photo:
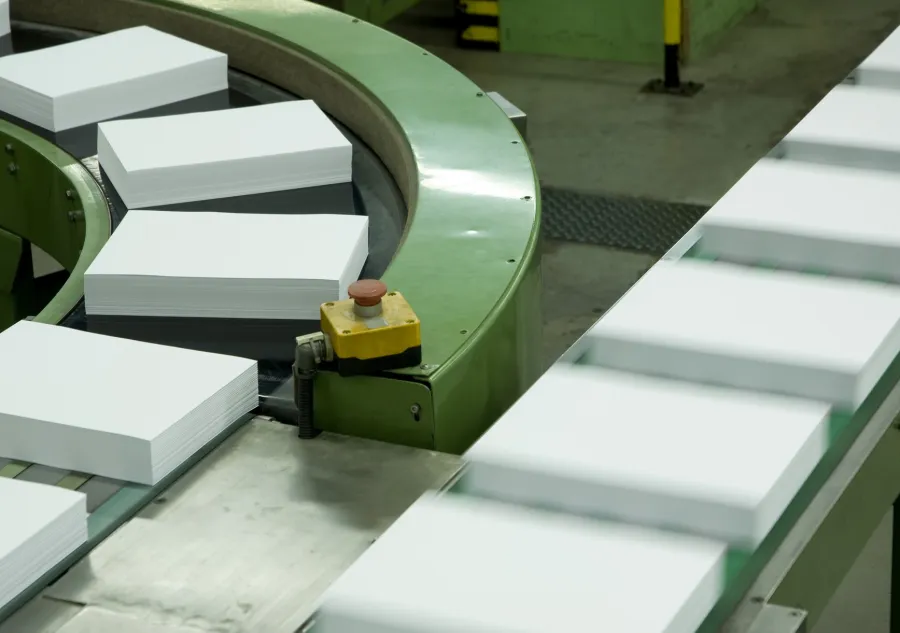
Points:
(4, 18)
(804, 216)
(801, 335)
(113, 407)
(852, 126)
(210, 155)
(651, 451)
(107, 76)
(40, 526)
(881, 68)
(460, 565)
(211, 265)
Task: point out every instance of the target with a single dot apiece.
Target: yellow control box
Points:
(367, 339)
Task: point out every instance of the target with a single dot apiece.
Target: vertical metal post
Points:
(672, 35)
(673, 40)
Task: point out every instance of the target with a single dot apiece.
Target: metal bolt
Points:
(9, 148)
(427, 367)
(416, 411)
(70, 194)
(12, 168)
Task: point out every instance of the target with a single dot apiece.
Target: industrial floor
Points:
(593, 132)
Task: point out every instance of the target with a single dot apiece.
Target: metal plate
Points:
(290, 515)
(635, 224)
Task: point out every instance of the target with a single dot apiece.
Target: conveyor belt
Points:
(375, 195)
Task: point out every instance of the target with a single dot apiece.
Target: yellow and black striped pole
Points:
(673, 40)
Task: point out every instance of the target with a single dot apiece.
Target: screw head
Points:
(12, 168)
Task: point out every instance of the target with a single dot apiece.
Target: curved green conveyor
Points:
(51, 200)
(468, 262)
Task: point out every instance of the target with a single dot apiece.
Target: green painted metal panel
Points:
(50, 199)
(611, 29)
(600, 29)
(381, 408)
(710, 20)
(378, 11)
(10, 255)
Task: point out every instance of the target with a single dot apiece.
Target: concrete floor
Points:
(592, 130)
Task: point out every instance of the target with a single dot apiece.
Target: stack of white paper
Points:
(801, 335)
(210, 155)
(882, 67)
(40, 526)
(113, 407)
(174, 264)
(651, 451)
(4, 18)
(107, 76)
(804, 216)
(458, 565)
(852, 126)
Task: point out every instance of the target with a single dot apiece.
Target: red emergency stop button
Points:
(367, 293)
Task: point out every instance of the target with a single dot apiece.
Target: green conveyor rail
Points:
(468, 260)
(48, 198)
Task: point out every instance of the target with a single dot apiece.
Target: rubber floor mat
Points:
(635, 224)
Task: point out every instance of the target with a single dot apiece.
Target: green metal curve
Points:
(468, 260)
(468, 263)
(50, 199)
(476, 205)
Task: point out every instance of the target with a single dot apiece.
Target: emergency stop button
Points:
(367, 295)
